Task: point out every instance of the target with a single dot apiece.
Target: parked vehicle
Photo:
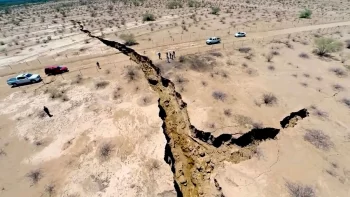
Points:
(54, 70)
(24, 79)
(240, 34)
(213, 40)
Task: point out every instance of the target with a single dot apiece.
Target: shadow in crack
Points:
(178, 190)
(293, 116)
(256, 134)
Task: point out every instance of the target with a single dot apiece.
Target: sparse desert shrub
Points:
(105, 150)
(249, 56)
(228, 112)
(50, 189)
(306, 75)
(218, 95)
(131, 74)
(269, 57)
(230, 62)
(193, 3)
(129, 39)
(275, 53)
(320, 114)
(145, 100)
(318, 139)
(269, 99)
(346, 101)
(148, 17)
(299, 190)
(216, 54)
(182, 59)
(243, 120)
(338, 87)
(215, 10)
(57, 94)
(117, 93)
(244, 49)
(180, 80)
(347, 44)
(224, 74)
(272, 68)
(306, 13)
(41, 114)
(304, 84)
(324, 46)
(2, 43)
(332, 173)
(251, 72)
(78, 79)
(2, 152)
(101, 84)
(35, 176)
(319, 78)
(199, 63)
(304, 55)
(259, 153)
(174, 4)
(152, 164)
(339, 72)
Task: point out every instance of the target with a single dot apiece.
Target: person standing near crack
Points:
(159, 55)
(167, 57)
(46, 110)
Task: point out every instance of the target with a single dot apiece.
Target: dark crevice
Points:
(256, 134)
(291, 120)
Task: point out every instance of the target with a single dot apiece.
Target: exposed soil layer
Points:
(191, 153)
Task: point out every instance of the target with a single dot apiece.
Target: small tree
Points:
(327, 45)
(129, 39)
(148, 17)
(215, 10)
(306, 13)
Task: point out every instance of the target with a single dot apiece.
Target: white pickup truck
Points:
(24, 79)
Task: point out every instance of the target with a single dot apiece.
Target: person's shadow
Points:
(46, 110)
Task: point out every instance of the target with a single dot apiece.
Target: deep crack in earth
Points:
(191, 153)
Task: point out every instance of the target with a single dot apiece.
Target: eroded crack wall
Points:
(191, 153)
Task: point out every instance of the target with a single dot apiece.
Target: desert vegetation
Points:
(318, 139)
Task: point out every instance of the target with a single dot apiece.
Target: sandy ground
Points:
(105, 136)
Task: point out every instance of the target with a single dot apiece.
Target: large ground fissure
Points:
(191, 153)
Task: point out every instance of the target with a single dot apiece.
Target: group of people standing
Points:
(169, 55)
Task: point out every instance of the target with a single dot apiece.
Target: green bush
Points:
(129, 39)
(174, 5)
(148, 17)
(327, 45)
(305, 14)
(193, 3)
(215, 10)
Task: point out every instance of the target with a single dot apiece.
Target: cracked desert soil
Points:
(161, 146)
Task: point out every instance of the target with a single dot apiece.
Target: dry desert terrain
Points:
(263, 115)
